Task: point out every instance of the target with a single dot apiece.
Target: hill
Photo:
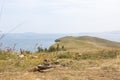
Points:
(93, 65)
(87, 42)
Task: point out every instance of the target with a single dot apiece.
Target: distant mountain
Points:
(113, 35)
(30, 35)
(71, 42)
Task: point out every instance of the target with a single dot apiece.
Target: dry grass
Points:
(104, 70)
(71, 68)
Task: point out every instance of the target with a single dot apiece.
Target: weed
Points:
(64, 55)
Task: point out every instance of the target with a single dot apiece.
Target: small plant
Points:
(45, 49)
(40, 49)
(52, 49)
(25, 51)
(63, 48)
(65, 55)
(58, 47)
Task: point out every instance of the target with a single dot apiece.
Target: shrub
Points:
(56, 48)
(52, 49)
(46, 50)
(65, 55)
(40, 49)
(63, 48)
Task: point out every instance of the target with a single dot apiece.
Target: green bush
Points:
(40, 49)
(65, 55)
(52, 49)
(56, 48)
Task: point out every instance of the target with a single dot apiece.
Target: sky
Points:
(59, 16)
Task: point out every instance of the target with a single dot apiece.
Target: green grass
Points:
(65, 55)
(87, 42)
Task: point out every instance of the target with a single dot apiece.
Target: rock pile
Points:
(46, 66)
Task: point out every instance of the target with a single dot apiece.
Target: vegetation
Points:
(40, 49)
(65, 55)
(51, 48)
(87, 42)
(101, 63)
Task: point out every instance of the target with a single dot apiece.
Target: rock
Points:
(46, 62)
(21, 56)
(46, 70)
(57, 40)
(56, 62)
(46, 66)
(42, 68)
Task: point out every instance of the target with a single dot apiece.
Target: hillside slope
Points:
(71, 42)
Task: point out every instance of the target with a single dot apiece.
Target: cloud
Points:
(76, 7)
(44, 15)
(22, 4)
(54, 6)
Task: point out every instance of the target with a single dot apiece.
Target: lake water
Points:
(28, 41)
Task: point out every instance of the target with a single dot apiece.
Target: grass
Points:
(87, 42)
(87, 62)
(102, 54)
(100, 65)
(65, 55)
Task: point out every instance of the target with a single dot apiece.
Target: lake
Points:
(28, 41)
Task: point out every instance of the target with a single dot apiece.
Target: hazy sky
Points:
(60, 16)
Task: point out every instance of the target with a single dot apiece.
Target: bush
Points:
(65, 55)
(40, 49)
(52, 49)
(56, 48)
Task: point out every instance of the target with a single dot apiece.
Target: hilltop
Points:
(86, 42)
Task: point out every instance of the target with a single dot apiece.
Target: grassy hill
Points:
(87, 42)
(87, 65)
